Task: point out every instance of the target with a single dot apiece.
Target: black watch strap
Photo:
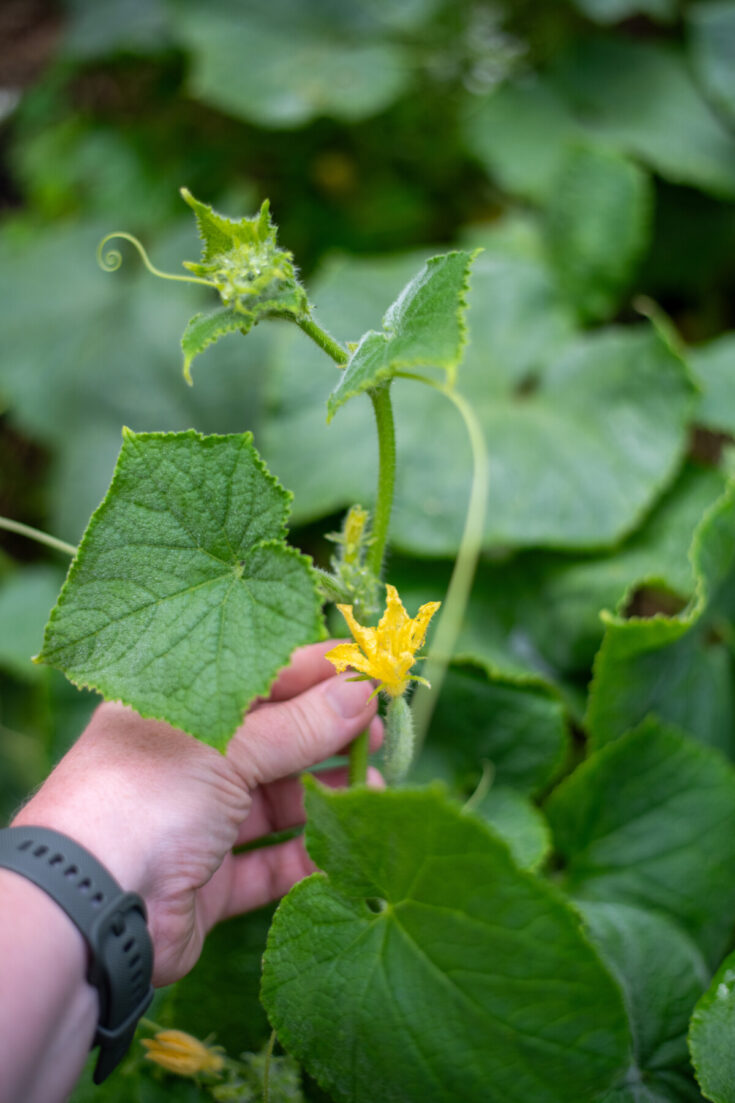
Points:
(112, 922)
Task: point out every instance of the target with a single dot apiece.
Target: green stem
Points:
(360, 747)
(383, 409)
(36, 534)
(358, 760)
(323, 339)
(460, 584)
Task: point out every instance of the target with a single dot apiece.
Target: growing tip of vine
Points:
(111, 260)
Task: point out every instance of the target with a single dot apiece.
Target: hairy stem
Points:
(36, 534)
(460, 584)
(383, 409)
(360, 747)
(323, 339)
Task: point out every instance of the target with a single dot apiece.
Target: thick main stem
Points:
(36, 534)
(460, 584)
(383, 409)
(385, 424)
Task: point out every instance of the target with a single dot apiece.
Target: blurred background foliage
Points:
(589, 147)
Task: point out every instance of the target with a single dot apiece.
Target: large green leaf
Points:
(650, 820)
(424, 327)
(712, 35)
(661, 974)
(640, 98)
(518, 729)
(561, 426)
(676, 666)
(456, 975)
(521, 135)
(711, 1036)
(183, 599)
(598, 223)
(273, 65)
(713, 365)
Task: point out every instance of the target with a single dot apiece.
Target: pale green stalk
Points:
(36, 534)
(112, 259)
(465, 565)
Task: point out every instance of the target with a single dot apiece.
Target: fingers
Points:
(279, 806)
(257, 878)
(286, 737)
(307, 667)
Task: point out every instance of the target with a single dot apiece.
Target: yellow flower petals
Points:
(181, 1053)
(387, 652)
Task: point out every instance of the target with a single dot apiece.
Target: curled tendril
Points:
(111, 260)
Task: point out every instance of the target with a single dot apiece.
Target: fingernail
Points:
(347, 698)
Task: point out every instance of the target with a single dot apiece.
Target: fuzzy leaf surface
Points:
(472, 980)
(629, 824)
(184, 600)
(711, 1036)
(425, 327)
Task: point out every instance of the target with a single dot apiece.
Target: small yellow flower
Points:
(181, 1053)
(387, 652)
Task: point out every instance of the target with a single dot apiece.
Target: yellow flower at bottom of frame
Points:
(181, 1053)
(387, 652)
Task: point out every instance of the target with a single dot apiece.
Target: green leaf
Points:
(629, 824)
(481, 717)
(563, 423)
(425, 327)
(183, 600)
(456, 975)
(278, 67)
(598, 226)
(206, 329)
(521, 134)
(711, 1036)
(560, 613)
(254, 278)
(712, 37)
(713, 365)
(519, 823)
(661, 974)
(674, 665)
(639, 98)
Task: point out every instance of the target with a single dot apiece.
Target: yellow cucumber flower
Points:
(387, 652)
(181, 1053)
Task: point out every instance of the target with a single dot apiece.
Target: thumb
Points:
(289, 736)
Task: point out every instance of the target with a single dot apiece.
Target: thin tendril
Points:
(111, 260)
(36, 534)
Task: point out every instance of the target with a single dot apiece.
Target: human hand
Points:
(162, 811)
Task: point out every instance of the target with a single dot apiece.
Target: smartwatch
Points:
(112, 922)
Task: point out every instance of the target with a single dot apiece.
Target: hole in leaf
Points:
(706, 446)
(648, 601)
(376, 904)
